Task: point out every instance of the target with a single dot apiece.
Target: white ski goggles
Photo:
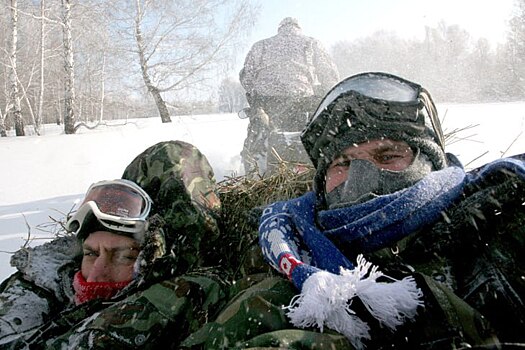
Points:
(118, 205)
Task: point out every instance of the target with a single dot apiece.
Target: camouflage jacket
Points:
(469, 264)
(288, 64)
(171, 294)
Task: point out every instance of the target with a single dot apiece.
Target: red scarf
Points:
(86, 291)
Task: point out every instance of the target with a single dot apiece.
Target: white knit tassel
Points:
(389, 302)
(325, 300)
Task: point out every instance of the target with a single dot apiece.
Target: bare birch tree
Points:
(69, 68)
(3, 131)
(231, 96)
(97, 62)
(144, 65)
(3, 83)
(178, 42)
(14, 99)
(38, 121)
(32, 94)
(3, 74)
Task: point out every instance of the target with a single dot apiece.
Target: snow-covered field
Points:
(43, 177)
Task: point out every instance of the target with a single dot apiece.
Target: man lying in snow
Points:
(396, 247)
(123, 279)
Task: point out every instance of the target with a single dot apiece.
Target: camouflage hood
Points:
(183, 220)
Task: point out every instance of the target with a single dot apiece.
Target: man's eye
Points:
(389, 157)
(90, 253)
(126, 258)
(342, 163)
(130, 257)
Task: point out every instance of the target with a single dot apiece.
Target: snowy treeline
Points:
(448, 61)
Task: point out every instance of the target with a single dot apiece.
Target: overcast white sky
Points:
(334, 20)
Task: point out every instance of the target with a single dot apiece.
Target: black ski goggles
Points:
(381, 88)
(117, 205)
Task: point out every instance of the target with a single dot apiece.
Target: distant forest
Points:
(452, 66)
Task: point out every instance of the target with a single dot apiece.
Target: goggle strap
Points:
(430, 107)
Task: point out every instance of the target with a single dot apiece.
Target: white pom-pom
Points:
(325, 300)
(389, 302)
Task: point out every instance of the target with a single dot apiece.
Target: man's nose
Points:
(100, 270)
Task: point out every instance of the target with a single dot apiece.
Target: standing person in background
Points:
(285, 77)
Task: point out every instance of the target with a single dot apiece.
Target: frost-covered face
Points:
(108, 257)
(385, 154)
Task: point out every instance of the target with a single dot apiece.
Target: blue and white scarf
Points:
(300, 247)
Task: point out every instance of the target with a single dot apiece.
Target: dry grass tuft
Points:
(244, 197)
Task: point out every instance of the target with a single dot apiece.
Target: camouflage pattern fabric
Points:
(481, 247)
(159, 315)
(40, 287)
(23, 306)
(285, 113)
(287, 147)
(255, 318)
(180, 182)
(276, 123)
(286, 75)
(288, 64)
(469, 265)
(255, 147)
